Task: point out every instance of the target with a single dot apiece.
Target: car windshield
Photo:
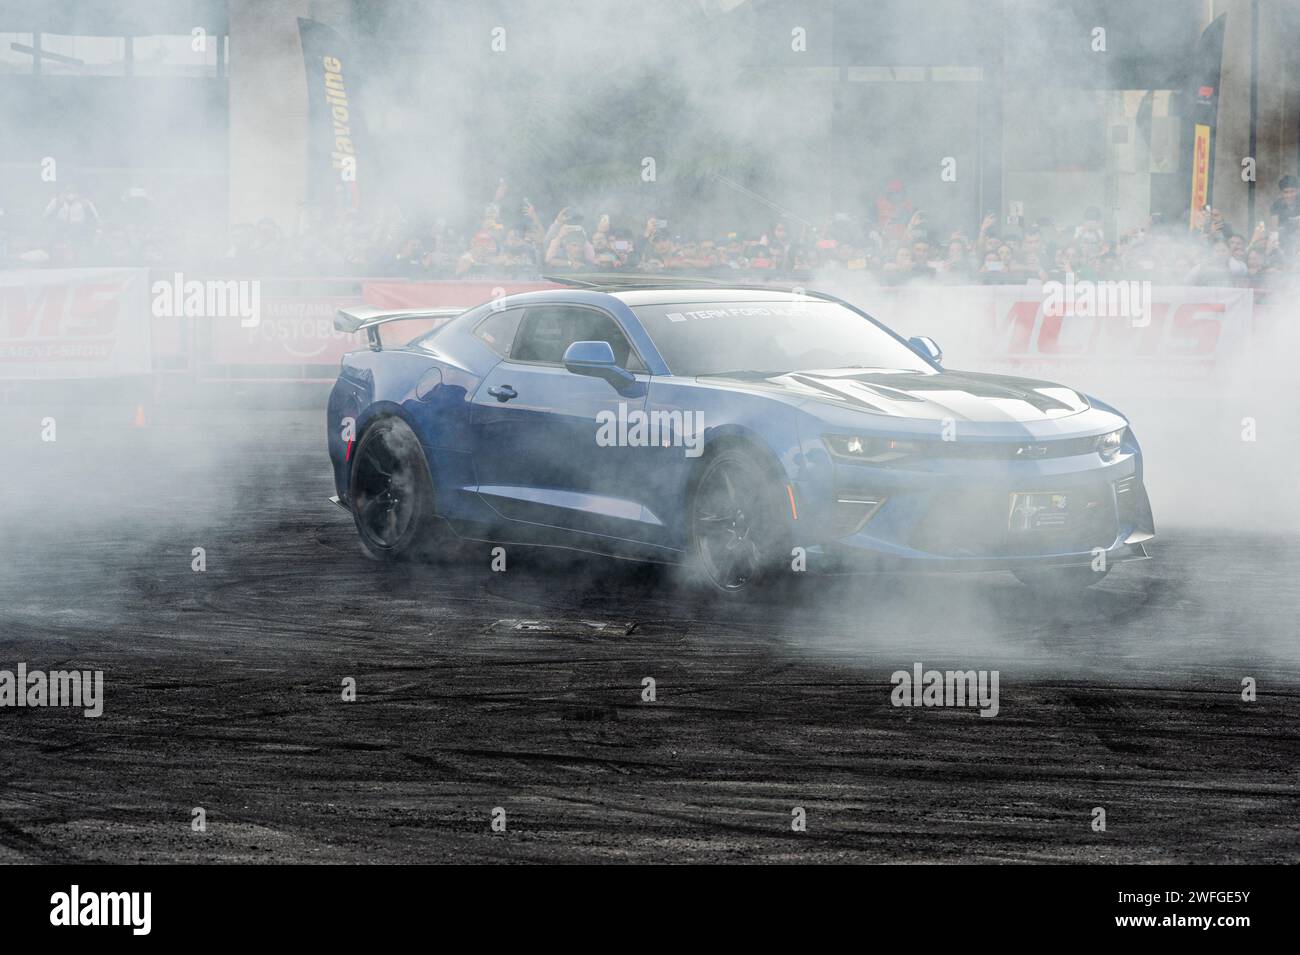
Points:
(759, 339)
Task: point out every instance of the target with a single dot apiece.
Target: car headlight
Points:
(1108, 445)
(869, 450)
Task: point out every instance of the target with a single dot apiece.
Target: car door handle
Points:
(502, 392)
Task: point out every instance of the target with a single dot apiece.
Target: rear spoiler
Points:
(368, 318)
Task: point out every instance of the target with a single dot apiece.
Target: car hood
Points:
(956, 395)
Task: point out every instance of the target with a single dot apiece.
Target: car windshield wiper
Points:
(743, 373)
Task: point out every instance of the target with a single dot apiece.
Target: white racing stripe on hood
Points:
(936, 404)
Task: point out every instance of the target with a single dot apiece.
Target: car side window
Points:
(498, 330)
(548, 330)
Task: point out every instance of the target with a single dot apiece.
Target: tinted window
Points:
(548, 330)
(709, 338)
(497, 331)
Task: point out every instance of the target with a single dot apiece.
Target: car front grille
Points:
(1010, 450)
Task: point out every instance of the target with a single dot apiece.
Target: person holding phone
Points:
(569, 236)
(1284, 214)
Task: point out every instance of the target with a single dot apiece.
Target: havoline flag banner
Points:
(1200, 116)
(336, 131)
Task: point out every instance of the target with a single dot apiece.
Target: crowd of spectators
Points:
(891, 241)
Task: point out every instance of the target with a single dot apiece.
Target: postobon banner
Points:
(74, 323)
(335, 152)
(1200, 171)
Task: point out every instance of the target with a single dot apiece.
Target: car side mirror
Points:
(596, 360)
(926, 347)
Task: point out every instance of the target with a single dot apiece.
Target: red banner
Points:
(74, 323)
(294, 330)
(298, 330)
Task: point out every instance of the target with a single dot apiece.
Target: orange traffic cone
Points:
(139, 416)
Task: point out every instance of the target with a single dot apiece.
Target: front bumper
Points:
(834, 557)
(980, 515)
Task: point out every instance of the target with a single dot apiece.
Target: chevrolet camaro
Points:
(742, 432)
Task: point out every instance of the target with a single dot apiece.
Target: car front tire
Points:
(739, 524)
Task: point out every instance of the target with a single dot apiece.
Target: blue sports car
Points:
(744, 432)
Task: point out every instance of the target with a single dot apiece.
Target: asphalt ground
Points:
(523, 690)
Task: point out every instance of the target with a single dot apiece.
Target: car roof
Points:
(687, 296)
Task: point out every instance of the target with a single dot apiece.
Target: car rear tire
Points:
(739, 525)
(1061, 580)
(390, 492)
